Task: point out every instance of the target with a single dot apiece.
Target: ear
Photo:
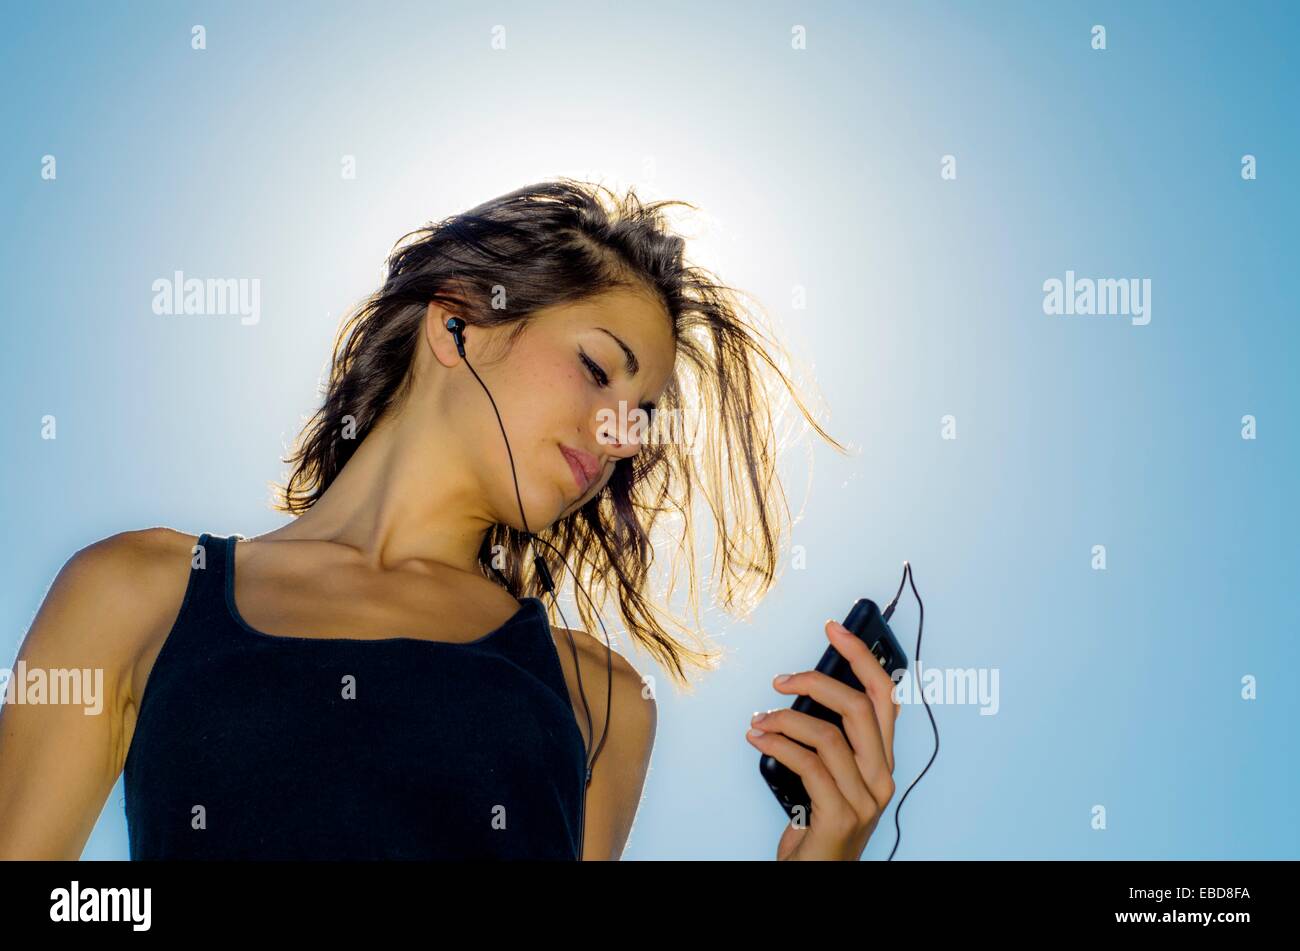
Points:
(441, 342)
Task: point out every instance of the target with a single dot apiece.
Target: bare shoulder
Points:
(116, 595)
(141, 571)
(111, 575)
(596, 662)
(134, 548)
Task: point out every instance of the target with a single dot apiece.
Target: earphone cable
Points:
(548, 584)
(908, 578)
(456, 325)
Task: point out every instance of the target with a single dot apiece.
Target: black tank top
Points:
(250, 745)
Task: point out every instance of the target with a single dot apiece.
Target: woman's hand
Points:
(850, 780)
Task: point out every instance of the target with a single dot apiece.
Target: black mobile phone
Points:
(870, 627)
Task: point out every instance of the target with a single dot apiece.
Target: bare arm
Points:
(60, 760)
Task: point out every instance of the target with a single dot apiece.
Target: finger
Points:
(872, 675)
(833, 747)
(828, 803)
(858, 713)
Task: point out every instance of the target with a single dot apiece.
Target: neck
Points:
(406, 494)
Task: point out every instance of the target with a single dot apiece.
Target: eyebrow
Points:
(630, 363)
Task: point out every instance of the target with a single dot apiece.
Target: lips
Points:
(584, 465)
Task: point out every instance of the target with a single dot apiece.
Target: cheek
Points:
(546, 406)
(549, 398)
(563, 401)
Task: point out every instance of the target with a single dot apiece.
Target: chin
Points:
(571, 506)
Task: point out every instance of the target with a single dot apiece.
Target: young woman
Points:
(379, 678)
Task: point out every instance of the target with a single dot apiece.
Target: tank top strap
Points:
(205, 595)
(212, 564)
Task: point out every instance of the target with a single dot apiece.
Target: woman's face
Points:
(558, 391)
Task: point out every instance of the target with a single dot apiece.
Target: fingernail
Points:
(758, 717)
(783, 678)
(756, 733)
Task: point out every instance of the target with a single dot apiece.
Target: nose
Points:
(619, 437)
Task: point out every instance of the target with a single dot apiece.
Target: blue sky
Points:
(915, 301)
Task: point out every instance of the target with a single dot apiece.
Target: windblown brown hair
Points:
(558, 242)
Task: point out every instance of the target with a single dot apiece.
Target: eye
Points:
(596, 371)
